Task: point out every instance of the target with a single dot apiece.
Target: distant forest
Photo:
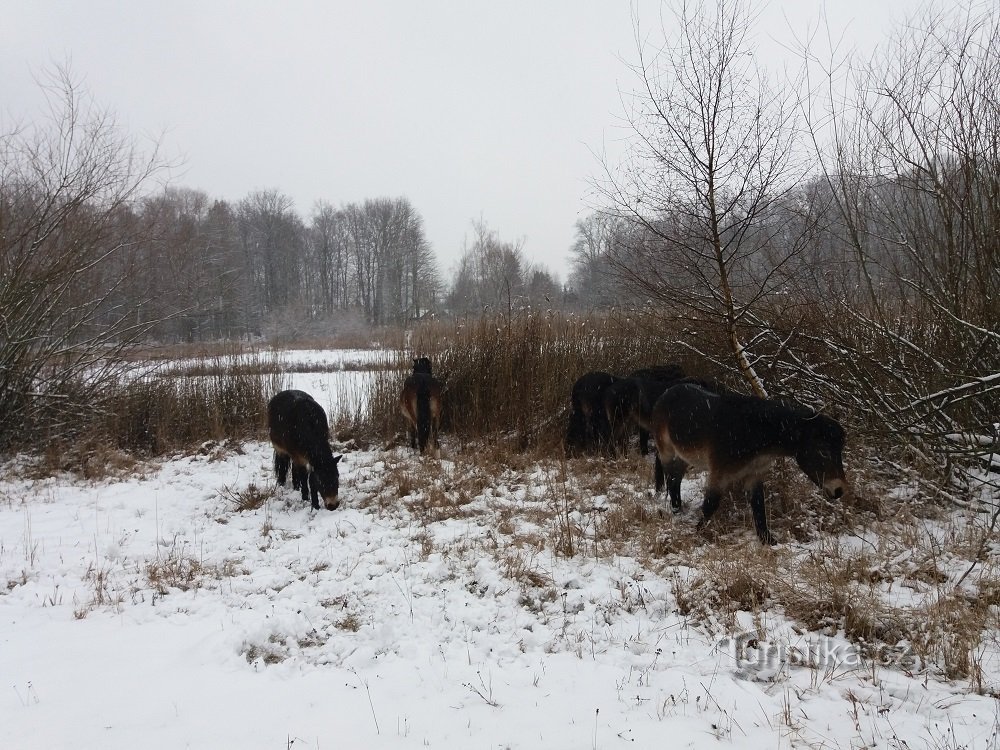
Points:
(876, 181)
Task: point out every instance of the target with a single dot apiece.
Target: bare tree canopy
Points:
(713, 149)
(68, 234)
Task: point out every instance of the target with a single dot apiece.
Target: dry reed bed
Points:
(885, 573)
(510, 378)
(888, 577)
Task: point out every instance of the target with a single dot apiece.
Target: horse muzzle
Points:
(835, 488)
(332, 502)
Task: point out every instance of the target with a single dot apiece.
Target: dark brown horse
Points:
(736, 438)
(588, 425)
(300, 435)
(628, 403)
(420, 403)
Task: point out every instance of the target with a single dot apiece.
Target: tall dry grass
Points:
(153, 414)
(509, 378)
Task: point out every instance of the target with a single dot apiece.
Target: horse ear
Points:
(336, 459)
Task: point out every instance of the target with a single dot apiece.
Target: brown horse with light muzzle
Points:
(300, 435)
(736, 438)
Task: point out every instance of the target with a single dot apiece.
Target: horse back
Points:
(727, 431)
(665, 373)
(296, 424)
(417, 386)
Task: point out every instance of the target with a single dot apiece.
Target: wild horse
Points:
(420, 403)
(588, 424)
(736, 438)
(628, 402)
(300, 435)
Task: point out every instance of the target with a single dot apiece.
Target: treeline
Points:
(203, 269)
(209, 270)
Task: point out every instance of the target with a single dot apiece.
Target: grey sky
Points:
(469, 109)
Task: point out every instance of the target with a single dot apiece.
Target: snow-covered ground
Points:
(148, 612)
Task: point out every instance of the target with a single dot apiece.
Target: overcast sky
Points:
(491, 110)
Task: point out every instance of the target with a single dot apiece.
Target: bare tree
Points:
(67, 186)
(491, 274)
(714, 148)
(329, 249)
(272, 238)
(593, 276)
(909, 148)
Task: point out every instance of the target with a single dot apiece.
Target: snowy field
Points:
(150, 613)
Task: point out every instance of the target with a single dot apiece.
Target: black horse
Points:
(588, 424)
(736, 438)
(300, 435)
(420, 403)
(629, 401)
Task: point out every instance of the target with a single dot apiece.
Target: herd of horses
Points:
(693, 423)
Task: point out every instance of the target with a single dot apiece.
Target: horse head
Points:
(327, 477)
(820, 454)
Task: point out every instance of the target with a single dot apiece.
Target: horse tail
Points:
(423, 413)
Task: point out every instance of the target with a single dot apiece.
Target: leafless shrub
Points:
(174, 571)
(250, 497)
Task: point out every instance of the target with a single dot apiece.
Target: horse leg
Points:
(658, 473)
(713, 496)
(312, 487)
(281, 462)
(601, 429)
(619, 436)
(759, 514)
(304, 483)
(643, 441)
(675, 473)
(299, 476)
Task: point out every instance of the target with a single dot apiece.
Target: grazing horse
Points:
(629, 402)
(420, 403)
(736, 438)
(588, 424)
(300, 435)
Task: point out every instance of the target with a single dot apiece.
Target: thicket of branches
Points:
(869, 283)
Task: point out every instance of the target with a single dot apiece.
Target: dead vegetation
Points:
(882, 575)
(893, 568)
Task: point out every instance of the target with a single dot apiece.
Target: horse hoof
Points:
(768, 540)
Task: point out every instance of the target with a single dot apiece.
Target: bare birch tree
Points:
(713, 149)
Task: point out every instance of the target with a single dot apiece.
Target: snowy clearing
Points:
(151, 612)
